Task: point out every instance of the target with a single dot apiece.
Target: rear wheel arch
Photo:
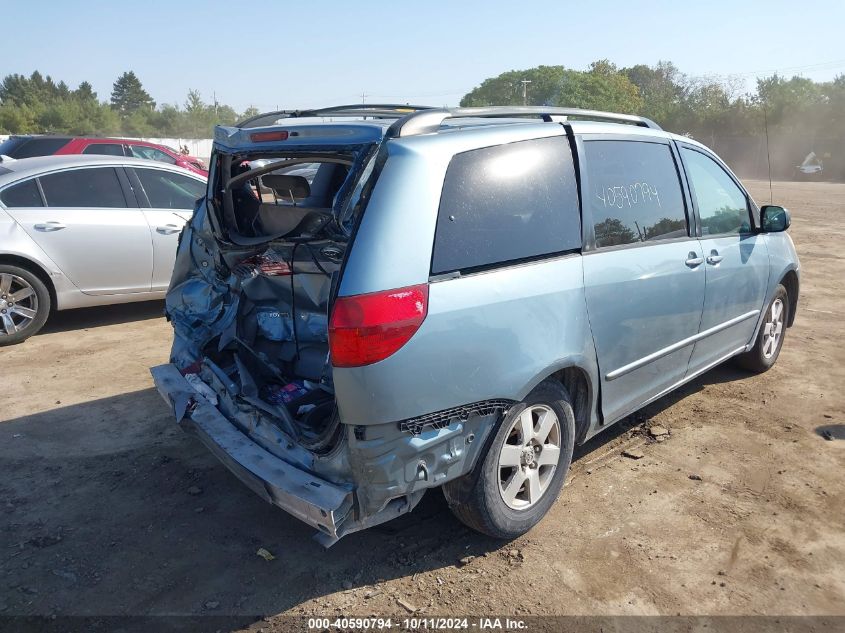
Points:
(790, 282)
(579, 385)
(35, 269)
(483, 499)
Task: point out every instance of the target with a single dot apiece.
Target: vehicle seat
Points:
(280, 219)
(288, 188)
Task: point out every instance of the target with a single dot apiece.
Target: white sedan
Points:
(79, 231)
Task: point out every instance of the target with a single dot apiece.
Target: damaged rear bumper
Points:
(315, 501)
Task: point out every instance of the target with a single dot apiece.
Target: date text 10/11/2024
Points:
(417, 624)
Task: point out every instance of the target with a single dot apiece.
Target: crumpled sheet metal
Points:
(199, 304)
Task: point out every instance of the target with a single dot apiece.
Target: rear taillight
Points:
(365, 329)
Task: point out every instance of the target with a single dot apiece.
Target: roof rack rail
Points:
(375, 110)
(430, 120)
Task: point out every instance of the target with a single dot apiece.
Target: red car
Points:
(29, 146)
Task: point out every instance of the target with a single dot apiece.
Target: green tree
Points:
(834, 118)
(194, 103)
(662, 89)
(139, 123)
(16, 119)
(37, 104)
(14, 90)
(167, 120)
(85, 92)
(506, 89)
(252, 111)
(32, 91)
(602, 87)
(128, 95)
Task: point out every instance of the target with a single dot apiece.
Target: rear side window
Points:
(17, 147)
(94, 188)
(24, 194)
(633, 192)
(166, 190)
(506, 203)
(105, 149)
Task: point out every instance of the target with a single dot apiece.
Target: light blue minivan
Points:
(372, 301)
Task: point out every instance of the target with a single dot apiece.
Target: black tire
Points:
(41, 302)
(759, 358)
(476, 500)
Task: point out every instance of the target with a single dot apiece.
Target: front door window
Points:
(722, 205)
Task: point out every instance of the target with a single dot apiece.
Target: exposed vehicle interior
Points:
(279, 213)
(283, 197)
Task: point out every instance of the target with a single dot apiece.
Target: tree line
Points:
(798, 114)
(801, 115)
(38, 104)
(698, 106)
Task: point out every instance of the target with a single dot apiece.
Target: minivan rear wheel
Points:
(520, 476)
(770, 337)
(24, 304)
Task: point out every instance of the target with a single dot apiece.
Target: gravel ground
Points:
(109, 509)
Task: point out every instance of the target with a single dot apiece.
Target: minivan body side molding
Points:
(645, 360)
(669, 389)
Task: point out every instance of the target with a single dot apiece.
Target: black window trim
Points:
(132, 201)
(138, 188)
(41, 191)
(750, 205)
(471, 271)
(510, 263)
(587, 223)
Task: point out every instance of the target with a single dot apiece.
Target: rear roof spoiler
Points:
(375, 110)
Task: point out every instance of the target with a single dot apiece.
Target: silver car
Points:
(454, 300)
(79, 231)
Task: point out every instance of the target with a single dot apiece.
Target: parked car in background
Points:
(454, 299)
(811, 168)
(79, 231)
(38, 145)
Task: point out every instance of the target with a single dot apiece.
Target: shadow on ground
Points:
(832, 432)
(111, 510)
(82, 318)
(722, 374)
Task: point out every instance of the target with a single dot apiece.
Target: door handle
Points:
(694, 260)
(52, 225)
(168, 229)
(714, 258)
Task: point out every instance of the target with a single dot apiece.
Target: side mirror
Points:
(774, 219)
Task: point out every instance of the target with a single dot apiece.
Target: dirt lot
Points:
(108, 508)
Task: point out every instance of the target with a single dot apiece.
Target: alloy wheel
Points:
(529, 457)
(18, 304)
(773, 328)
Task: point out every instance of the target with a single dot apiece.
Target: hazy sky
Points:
(306, 54)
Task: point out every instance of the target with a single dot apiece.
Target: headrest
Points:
(287, 186)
